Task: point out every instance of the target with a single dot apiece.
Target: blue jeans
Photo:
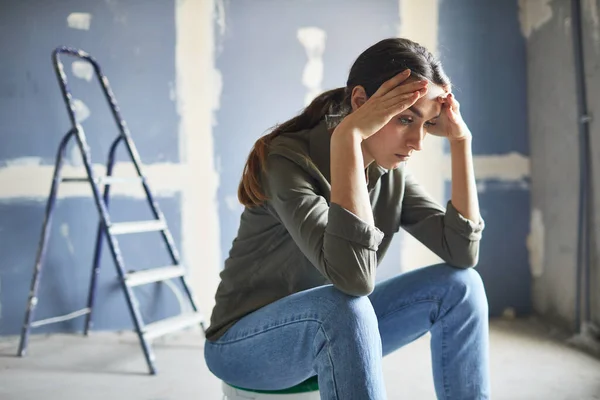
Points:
(342, 338)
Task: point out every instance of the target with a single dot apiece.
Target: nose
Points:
(415, 139)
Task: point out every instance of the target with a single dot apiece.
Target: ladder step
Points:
(137, 278)
(170, 325)
(60, 318)
(123, 228)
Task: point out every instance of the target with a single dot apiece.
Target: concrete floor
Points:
(527, 364)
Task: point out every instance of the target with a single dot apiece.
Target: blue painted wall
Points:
(134, 41)
(262, 78)
(484, 53)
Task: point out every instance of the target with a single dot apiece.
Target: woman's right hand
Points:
(392, 97)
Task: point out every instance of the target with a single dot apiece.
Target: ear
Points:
(358, 97)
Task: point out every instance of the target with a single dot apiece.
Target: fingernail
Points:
(406, 71)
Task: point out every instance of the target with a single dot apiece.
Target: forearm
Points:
(464, 190)
(348, 181)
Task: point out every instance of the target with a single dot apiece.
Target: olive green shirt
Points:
(298, 239)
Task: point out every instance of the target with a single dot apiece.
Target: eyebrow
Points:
(419, 113)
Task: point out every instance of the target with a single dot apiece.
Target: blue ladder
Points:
(108, 229)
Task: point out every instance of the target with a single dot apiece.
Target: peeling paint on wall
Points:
(535, 243)
(533, 14)
(313, 39)
(79, 21)
(83, 70)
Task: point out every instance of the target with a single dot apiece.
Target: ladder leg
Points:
(42, 247)
(116, 253)
(191, 299)
(99, 240)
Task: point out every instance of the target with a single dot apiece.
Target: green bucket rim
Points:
(309, 385)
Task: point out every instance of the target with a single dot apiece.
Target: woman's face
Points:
(404, 134)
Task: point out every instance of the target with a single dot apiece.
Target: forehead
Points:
(430, 108)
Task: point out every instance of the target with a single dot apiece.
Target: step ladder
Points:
(108, 229)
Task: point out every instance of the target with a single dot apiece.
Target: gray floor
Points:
(527, 364)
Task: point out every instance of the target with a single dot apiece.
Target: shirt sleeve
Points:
(446, 232)
(338, 243)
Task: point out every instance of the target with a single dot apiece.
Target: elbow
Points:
(357, 286)
(464, 261)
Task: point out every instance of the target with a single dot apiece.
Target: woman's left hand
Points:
(450, 124)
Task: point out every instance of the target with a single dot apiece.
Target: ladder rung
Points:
(173, 324)
(75, 179)
(110, 180)
(61, 318)
(137, 278)
(123, 228)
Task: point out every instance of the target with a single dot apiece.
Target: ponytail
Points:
(250, 192)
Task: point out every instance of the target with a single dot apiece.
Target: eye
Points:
(405, 120)
(430, 123)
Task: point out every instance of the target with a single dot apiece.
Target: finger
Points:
(406, 88)
(453, 102)
(392, 101)
(403, 103)
(392, 82)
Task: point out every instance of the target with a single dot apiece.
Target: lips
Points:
(402, 157)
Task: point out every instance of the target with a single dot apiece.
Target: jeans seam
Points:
(444, 356)
(335, 389)
(239, 339)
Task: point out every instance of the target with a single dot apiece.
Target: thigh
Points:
(408, 304)
(272, 348)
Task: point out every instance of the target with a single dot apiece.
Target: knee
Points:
(349, 312)
(466, 289)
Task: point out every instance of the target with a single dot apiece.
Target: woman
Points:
(324, 194)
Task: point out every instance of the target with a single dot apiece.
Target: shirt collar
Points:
(320, 147)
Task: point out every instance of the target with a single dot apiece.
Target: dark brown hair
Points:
(371, 69)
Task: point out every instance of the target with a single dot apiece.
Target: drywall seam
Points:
(423, 166)
(510, 167)
(27, 178)
(196, 101)
(533, 14)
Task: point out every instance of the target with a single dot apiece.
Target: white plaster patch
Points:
(510, 167)
(79, 21)
(172, 92)
(82, 70)
(197, 98)
(425, 32)
(535, 243)
(24, 162)
(217, 85)
(233, 204)
(31, 181)
(75, 158)
(313, 39)
(82, 112)
(533, 14)
(591, 11)
(64, 231)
